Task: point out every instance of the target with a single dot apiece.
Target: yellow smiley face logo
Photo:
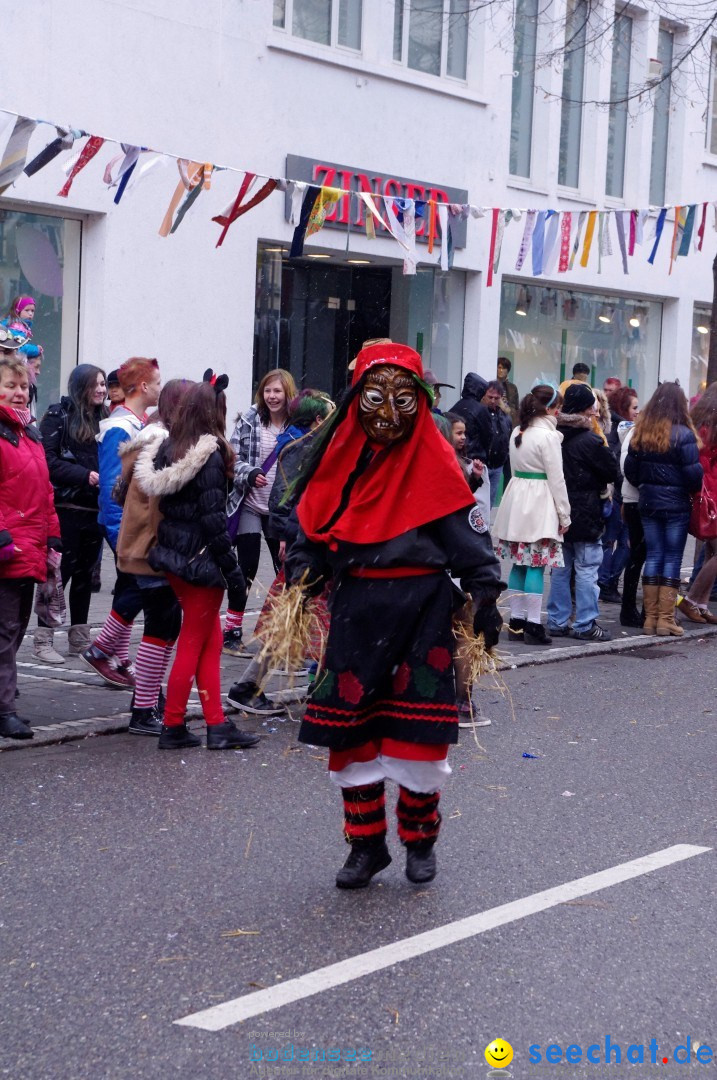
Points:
(499, 1053)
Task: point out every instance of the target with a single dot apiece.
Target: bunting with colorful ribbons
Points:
(553, 239)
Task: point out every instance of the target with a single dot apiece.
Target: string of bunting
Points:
(553, 239)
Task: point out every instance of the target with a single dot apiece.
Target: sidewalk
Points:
(69, 701)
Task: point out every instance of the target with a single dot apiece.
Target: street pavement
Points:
(139, 888)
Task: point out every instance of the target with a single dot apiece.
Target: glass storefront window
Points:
(545, 330)
(312, 315)
(700, 348)
(40, 257)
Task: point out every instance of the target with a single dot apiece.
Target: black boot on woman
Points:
(536, 634)
(228, 736)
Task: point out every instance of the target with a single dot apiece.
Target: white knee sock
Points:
(517, 605)
(533, 604)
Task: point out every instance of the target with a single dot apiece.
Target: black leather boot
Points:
(177, 737)
(421, 862)
(363, 862)
(515, 629)
(228, 736)
(12, 727)
(536, 634)
(144, 722)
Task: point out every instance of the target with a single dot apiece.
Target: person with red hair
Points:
(386, 511)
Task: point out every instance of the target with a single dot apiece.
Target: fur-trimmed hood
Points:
(151, 433)
(174, 477)
(575, 421)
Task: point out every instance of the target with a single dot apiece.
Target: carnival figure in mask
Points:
(387, 513)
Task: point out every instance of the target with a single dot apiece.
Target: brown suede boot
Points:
(666, 624)
(650, 594)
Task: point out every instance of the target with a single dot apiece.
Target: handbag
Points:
(703, 517)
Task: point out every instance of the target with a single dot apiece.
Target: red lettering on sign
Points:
(393, 189)
(344, 202)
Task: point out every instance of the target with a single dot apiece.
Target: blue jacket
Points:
(120, 426)
(666, 481)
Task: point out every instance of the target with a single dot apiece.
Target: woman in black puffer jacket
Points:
(191, 471)
(663, 462)
(69, 431)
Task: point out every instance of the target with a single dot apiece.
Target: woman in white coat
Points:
(534, 512)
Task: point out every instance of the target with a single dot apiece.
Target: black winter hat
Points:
(578, 398)
(113, 378)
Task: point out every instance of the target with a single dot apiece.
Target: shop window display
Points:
(544, 330)
(700, 349)
(40, 257)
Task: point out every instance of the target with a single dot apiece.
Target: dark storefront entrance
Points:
(312, 315)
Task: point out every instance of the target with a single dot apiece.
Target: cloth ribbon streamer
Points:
(700, 234)
(551, 241)
(201, 180)
(127, 162)
(431, 225)
(91, 147)
(404, 234)
(65, 141)
(527, 237)
(15, 155)
(493, 239)
(373, 213)
(238, 207)
(446, 237)
(307, 205)
(633, 232)
(327, 198)
(620, 226)
(538, 243)
(659, 226)
(684, 248)
(676, 234)
(578, 233)
(188, 177)
(589, 233)
(566, 225)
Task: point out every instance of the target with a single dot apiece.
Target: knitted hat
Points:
(578, 398)
(113, 378)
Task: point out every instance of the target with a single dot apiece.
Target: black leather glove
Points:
(489, 622)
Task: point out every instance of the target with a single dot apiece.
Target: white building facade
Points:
(412, 98)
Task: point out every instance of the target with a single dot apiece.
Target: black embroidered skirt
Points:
(388, 669)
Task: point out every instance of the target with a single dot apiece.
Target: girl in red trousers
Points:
(190, 471)
(29, 529)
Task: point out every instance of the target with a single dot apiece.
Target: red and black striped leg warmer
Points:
(364, 813)
(418, 816)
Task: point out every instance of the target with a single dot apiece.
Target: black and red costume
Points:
(389, 523)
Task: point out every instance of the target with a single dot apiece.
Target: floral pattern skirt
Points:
(536, 553)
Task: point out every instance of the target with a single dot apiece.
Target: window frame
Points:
(711, 126)
(615, 110)
(531, 126)
(407, 7)
(580, 102)
(333, 43)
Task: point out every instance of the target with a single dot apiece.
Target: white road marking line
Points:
(316, 982)
(49, 678)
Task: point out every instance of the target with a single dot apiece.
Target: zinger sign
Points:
(329, 174)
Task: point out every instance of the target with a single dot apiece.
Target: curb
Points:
(626, 644)
(70, 730)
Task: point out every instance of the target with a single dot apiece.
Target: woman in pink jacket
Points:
(29, 529)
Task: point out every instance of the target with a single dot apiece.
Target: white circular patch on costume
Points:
(477, 521)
